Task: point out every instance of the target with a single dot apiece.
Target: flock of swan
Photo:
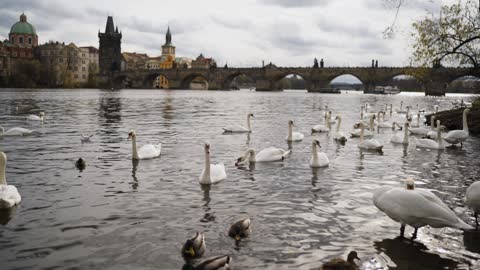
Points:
(407, 205)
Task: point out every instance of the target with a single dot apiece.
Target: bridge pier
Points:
(266, 85)
(318, 86)
(435, 88)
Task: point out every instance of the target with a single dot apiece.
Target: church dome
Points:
(23, 27)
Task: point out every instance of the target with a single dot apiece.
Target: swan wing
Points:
(427, 143)
(320, 128)
(472, 197)
(322, 161)
(296, 136)
(456, 136)
(148, 151)
(18, 131)
(271, 154)
(235, 128)
(217, 172)
(419, 131)
(396, 138)
(9, 196)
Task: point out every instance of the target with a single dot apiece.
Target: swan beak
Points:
(237, 237)
(238, 161)
(191, 251)
(129, 136)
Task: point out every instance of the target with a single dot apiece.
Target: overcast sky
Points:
(242, 33)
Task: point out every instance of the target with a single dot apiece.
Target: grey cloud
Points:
(296, 3)
(232, 23)
(421, 5)
(359, 29)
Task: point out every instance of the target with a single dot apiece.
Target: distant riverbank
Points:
(452, 119)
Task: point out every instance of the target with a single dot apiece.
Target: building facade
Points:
(203, 63)
(134, 61)
(110, 52)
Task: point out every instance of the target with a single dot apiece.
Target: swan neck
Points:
(248, 124)
(2, 131)
(362, 130)
(439, 136)
(134, 147)
(432, 122)
(371, 124)
(290, 132)
(405, 135)
(338, 124)
(207, 164)
(3, 165)
(314, 152)
(252, 155)
(465, 122)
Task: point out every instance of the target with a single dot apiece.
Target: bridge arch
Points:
(246, 78)
(464, 84)
(157, 80)
(345, 74)
(291, 80)
(194, 81)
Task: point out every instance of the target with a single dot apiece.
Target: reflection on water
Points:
(136, 214)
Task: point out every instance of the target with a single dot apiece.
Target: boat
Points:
(328, 90)
(386, 90)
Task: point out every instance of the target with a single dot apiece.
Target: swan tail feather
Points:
(286, 154)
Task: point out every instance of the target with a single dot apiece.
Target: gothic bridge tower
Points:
(110, 52)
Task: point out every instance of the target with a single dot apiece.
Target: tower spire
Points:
(109, 28)
(168, 37)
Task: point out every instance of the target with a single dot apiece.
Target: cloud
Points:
(296, 3)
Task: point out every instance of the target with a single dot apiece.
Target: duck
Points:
(85, 138)
(9, 195)
(370, 144)
(238, 128)
(293, 136)
(240, 229)
(39, 117)
(339, 136)
(212, 263)
(147, 151)
(472, 200)
(340, 264)
(322, 128)
(398, 138)
(460, 135)
(432, 144)
(194, 247)
(270, 154)
(319, 159)
(211, 173)
(416, 208)
(15, 131)
(81, 164)
(432, 134)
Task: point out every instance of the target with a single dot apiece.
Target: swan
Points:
(472, 199)
(270, 154)
(432, 134)
(145, 152)
(419, 130)
(330, 119)
(212, 263)
(398, 138)
(339, 136)
(240, 229)
(459, 136)
(194, 247)
(211, 173)
(319, 159)
(370, 144)
(238, 128)
(382, 122)
(39, 117)
(322, 128)
(415, 207)
(431, 144)
(366, 133)
(401, 110)
(15, 131)
(85, 138)
(9, 195)
(293, 136)
(417, 119)
(338, 263)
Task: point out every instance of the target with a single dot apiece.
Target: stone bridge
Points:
(434, 80)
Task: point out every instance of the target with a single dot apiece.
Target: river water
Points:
(119, 214)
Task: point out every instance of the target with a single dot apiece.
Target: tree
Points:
(452, 37)
(26, 73)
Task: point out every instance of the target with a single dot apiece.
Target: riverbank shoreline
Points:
(452, 119)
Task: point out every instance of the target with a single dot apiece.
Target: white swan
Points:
(415, 207)
(382, 123)
(423, 131)
(322, 128)
(339, 136)
(370, 144)
(319, 159)
(472, 199)
(401, 110)
(211, 173)
(270, 154)
(330, 119)
(398, 138)
(417, 120)
(432, 134)
(15, 131)
(459, 136)
(432, 144)
(9, 195)
(366, 133)
(147, 151)
(238, 128)
(39, 117)
(293, 136)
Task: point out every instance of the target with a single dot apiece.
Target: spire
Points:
(23, 17)
(116, 29)
(168, 37)
(109, 28)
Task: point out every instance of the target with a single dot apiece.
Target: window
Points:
(83, 54)
(83, 76)
(29, 40)
(83, 68)
(76, 76)
(83, 61)
(20, 40)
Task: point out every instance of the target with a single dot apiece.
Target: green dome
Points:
(23, 27)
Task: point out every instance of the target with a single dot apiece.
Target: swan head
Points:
(249, 152)
(466, 111)
(251, 115)
(42, 114)
(316, 142)
(290, 123)
(352, 256)
(132, 134)
(338, 117)
(407, 125)
(410, 183)
(207, 147)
